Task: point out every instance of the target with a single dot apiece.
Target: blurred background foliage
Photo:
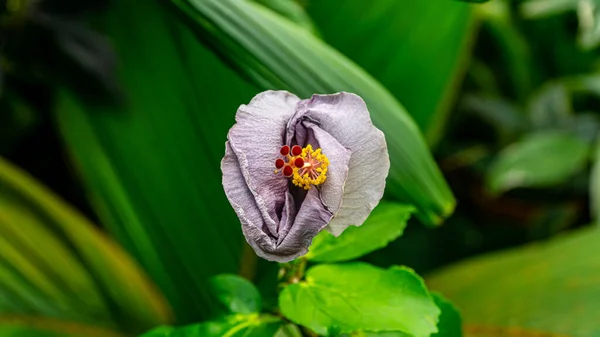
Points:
(121, 109)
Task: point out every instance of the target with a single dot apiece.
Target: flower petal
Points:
(345, 117)
(312, 217)
(242, 200)
(332, 190)
(295, 232)
(256, 139)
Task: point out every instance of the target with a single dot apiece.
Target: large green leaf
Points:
(386, 223)
(540, 159)
(279, 54)
(358, 296)
(55, 263)
(546, 288)
(152, 164)
(416, 49)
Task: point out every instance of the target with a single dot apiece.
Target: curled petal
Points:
(345, 117)
(311, 218)
(332, 190)
(256, 139)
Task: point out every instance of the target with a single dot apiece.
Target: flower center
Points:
(305, 166)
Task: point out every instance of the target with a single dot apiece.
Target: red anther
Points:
(296, 150)
(299, 162)
(279, 163)
(288, 171)
(285, 150)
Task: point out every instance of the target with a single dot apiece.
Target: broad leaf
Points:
(548, 288)
(449, 324)
(358, 296)
(538, 160)
(291, 10)
(416, 49)
(278, 54)
(236, 294)
(385, 224)
(152, 164)
(253, 325)
(55, 263)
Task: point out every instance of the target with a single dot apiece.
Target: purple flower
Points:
(293, 167)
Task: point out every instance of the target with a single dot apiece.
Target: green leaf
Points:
(450, 324)
(22, 326)
(385, 224)
(253, 325)
(545, 288)
(151, 164)
(236, 294)
(358, 296)
(55, 263)
(402, 47)
(291, 10)
(275, 53)
(541, 159)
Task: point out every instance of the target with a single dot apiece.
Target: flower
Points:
(294, 167)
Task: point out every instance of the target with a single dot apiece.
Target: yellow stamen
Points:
(314, 171)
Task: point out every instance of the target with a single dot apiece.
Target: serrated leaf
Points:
(278, 54)
(358, 296)
(385, 224)
(540, 159)
(55, 263)
(151, 164)
(544, 288)
(236, 294)
(253, 325)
